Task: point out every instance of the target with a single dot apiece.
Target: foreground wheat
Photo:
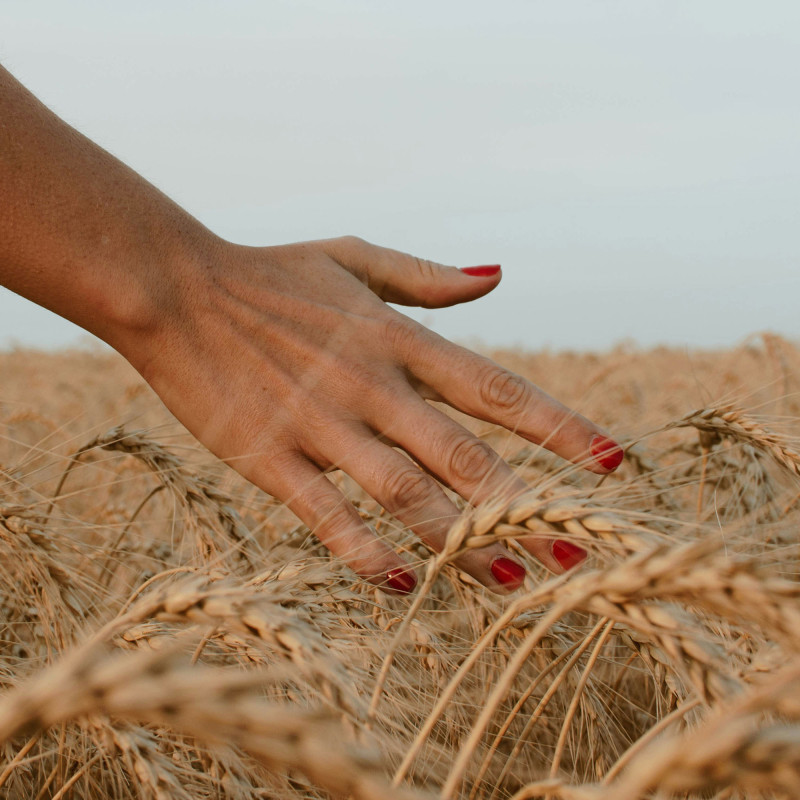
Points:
(170, 632)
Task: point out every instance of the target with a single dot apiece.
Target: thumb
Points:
(410, 281)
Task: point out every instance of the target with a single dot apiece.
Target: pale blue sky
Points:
(633, 165)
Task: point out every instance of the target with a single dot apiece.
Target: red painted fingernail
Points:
(482, 272)
(607, 453)
(567, 554)
(401, 581)
(508, 572)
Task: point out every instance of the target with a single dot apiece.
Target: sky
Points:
(634, 165)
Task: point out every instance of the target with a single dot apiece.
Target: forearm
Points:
(81, 233)
(285, 360)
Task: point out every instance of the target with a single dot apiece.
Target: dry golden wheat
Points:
(168, 631)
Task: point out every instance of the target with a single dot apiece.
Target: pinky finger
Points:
(321, 506)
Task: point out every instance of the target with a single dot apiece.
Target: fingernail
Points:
(482, 272)
(401, 581)
(607, 453)
(508, 572)
(567, 554)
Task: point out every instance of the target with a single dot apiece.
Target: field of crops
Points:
(169, 631)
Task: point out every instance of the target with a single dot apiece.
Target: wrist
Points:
(142, 300)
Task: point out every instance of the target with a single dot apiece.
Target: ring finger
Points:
(469, 466)
(418, 501)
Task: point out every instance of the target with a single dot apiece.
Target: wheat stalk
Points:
(217, 705)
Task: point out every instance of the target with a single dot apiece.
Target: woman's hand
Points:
(286, 361)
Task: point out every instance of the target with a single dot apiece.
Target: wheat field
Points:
(169, 631)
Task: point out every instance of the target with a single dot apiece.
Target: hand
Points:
(286, 361)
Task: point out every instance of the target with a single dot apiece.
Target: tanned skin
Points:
(284, 361)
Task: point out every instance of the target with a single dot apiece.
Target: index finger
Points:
(483, 389)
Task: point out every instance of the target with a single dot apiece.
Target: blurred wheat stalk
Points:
(169, 632)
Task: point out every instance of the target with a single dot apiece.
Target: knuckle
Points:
(351, 252)
(308, 415)
(361, 388)
(352, 376)
(504, 391)
(352, 242)
(425, 269)
(406, 489)
(470, 459)
(401, 334)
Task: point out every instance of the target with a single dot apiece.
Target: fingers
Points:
(415, 499)
(468, 465)
(400, 278)
(334, 520)
(483, 389)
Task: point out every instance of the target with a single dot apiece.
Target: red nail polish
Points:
(401, 581)
(607, 453)
(567, 554)
(508, 572)
(482, 272)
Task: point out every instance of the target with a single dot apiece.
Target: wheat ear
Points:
(212, 704)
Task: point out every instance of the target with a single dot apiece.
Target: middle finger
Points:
(418, 501)
(469, 466)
